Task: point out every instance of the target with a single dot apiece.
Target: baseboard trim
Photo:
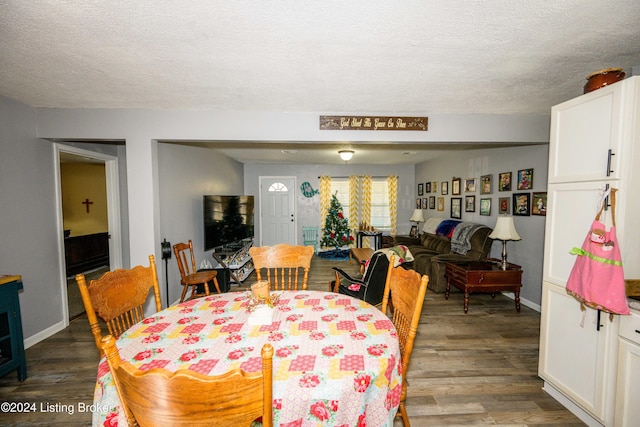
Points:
(44, 334)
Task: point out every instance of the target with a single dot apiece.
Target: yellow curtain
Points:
(366, 204)
(392, 181)
(354, 203)
(325, 200)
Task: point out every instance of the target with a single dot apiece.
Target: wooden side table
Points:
(483, 276)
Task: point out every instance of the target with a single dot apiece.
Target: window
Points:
(380, 215)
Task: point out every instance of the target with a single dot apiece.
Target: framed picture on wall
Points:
(539, 204)
(440, 203)
(505, 181)
(470, 203)
(420, 189)
(485, 206)
(418, 203)
(525, 179)
(485, 184)
(427, 187)
(504, 205)
(444, 187)
(432, 202)
(521, 204)
(470, 185)
(456, 207)
(434, 187)
(424, 203)
(455, 186)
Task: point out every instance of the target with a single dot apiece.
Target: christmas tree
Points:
(336, 231)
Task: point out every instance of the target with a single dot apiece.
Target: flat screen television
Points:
(228, 220)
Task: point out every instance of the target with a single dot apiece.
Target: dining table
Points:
(336, 358)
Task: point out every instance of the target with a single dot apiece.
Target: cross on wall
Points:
(87, 203)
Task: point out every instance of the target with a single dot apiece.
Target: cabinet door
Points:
(585, 137)
(575, 357)
(628, 388)
(571, 208)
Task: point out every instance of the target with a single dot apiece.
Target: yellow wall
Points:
(82, 181)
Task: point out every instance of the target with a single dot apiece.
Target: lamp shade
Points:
(505, 229)
(417, 216)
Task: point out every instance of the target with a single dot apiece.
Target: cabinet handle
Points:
(637, 331)
(609, 154)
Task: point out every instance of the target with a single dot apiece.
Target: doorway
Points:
(109, 256)
(277, 210)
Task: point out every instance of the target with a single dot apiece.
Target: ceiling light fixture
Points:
(346, 155)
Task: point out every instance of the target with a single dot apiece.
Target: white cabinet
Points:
(578, 351)
(586, 136)
(627, 412)
(594, 142)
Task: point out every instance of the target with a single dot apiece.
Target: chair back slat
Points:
(118, 298)
(188, 398)
(282, 264)
(404, 294)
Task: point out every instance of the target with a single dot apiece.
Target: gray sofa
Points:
(432, 251)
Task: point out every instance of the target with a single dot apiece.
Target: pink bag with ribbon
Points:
(597, 278)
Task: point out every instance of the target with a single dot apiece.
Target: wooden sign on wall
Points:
(373, 123)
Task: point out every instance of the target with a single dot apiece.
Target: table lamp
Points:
(417, 217)
(504, 230)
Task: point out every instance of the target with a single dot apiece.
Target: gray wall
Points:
(28, 227)
(308, 209)
(527, 252)
(28, 224)
(185, 175)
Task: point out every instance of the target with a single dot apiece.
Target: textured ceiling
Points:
(375, 57)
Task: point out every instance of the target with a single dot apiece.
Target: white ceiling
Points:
(336, 57)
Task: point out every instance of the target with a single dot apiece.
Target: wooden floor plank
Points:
(469, 369)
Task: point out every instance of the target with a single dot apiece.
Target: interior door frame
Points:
(293, 195)
(113, 213)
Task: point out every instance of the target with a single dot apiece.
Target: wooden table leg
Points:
(447, 289)
(466, 301)
(517, 295)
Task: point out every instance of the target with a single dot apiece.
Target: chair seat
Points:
(200, 277)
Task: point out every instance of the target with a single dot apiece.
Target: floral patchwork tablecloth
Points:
(336, 360)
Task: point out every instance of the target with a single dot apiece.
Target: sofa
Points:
(444, 241)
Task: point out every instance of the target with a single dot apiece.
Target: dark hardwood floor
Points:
(473, 369)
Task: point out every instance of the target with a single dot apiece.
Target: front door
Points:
(277, 210)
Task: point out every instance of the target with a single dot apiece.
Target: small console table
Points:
(377, 236)
(11, 339)
(483, 276)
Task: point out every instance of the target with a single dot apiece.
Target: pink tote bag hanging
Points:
(597, 278)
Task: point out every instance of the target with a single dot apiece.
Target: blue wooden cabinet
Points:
(11, 339)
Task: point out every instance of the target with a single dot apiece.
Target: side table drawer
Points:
(509, 277)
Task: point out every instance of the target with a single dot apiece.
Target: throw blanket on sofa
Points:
(445, 228)
(461, 238)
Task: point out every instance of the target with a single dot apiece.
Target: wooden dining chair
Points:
(189, 276)
(118, 298)
(158, 397)
(407, 290)
(281, 265)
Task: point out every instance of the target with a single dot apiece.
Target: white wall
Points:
(308, 209)
(185, 175)
(527, 252)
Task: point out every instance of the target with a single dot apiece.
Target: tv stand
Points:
(236, 258)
